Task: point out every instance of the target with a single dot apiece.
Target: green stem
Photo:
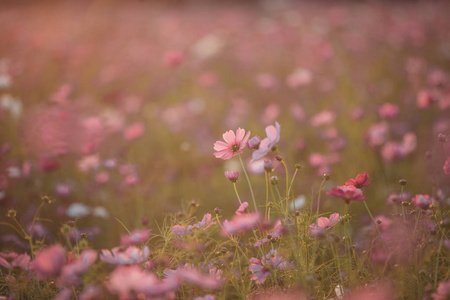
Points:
(237, 194)
(249, 183)
(437, 261)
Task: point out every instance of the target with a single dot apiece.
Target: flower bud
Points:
(253, 143)
(268, 167)
(403, 181)
(274, 180)
(232, 175)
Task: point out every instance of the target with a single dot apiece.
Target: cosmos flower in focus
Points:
(234, 145)
(273, 137)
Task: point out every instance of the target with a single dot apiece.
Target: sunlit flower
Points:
(347, 193)
(361, 181)
(273, 137)
(234, 145)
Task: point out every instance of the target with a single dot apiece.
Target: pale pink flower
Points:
(234, 145)
(277, 231)
(360, 181)
(48, 262)
(299, 77)
(194, 277)
(325, 117)
(273, 137)
(187, 230)
(132, 255)
(325, 223)
(240, 223)
(232, 175)
(347, 193)
(376, 134)
(102, 177)
(21, 261)
(136, 237)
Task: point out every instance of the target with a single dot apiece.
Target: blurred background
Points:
(112, 108)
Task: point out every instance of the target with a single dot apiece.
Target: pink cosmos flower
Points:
(347, 193)
(442, 292)
(361, 181)
(132, 255)
(242, 208)
(240, 224)
(423, 201)
(424, 99)
(376, 134)
(21, 261)
(261, 269)
(48, 262)
(131, 281)
(325, 117)
(232, 175)
(136, 237)
(325, 223)
(446, 166)
(277, 231)
(234, 145)
(273, 137)
(187, 230)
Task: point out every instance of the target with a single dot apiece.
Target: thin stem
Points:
(237, 194)
(437, 261)
(292, 182)
(267, 209)
(249, 183)
(318, 198)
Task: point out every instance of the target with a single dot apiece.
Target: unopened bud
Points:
(274, 180)
(403, 181)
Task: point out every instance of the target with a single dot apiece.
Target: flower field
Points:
(225, 150)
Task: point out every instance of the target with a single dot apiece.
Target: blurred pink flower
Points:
(424, 99)
(240, 224)
(277, 231)
(234, 145)
(423, 201)
(21, 261)
(174, 58)
(70, 273)
(325, 117)
(187, 230)
(48, 262)
(446, 166)
(242, 208)
(360, 181)
(136, 237)
(273, 137)
(347, 193)
(376, 134)
(442, 292)
(232, 175)
(134, 131)
(132, 255)
(388, 111)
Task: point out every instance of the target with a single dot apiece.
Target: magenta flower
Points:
(347, 193)
(273, 137)
(242, 208)
(325, 223)
(132, 255)
(136, 237)
(48, 262)
(232, 175)
(234, 145)
(446, 166)
(423, 201)
(361, 181)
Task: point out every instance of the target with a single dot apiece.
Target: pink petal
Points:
(229, 137)
(219, 146)
(271, 133)
(222, 153)
(244, 140)
(240, 134)
(323, 222)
